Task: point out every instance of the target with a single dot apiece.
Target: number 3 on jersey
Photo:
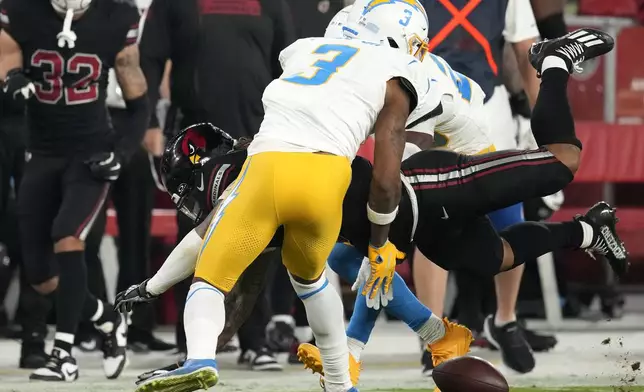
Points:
(326, 69)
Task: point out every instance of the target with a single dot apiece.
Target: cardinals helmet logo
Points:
(193, 146)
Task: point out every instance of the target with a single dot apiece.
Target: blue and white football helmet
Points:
(334, 29)
(400, 24)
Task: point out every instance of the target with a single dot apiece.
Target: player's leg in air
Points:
(259, 201)
(59, 201)
(555, 164)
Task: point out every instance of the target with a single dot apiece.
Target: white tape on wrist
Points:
(381, 219)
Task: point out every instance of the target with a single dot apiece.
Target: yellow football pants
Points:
(301, 191)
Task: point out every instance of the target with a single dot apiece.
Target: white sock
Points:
(553, 62)
(433, 330)
(179, 265)
(303, 334)
(356, 348)
(501, 323)
(284, 318)
(99, 311)
(64, 337)
(326, 317)
(203, 318)
(107, 326)
(588, 235)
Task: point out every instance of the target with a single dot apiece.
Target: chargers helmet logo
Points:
(412, 3)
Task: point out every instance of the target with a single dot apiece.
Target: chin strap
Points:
(67, 36)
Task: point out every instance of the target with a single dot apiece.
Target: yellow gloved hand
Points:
(382, 266)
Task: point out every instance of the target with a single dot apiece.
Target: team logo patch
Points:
(193, 146)
(375, 3)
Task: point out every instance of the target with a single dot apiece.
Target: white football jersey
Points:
(330, 94)
(462, 122)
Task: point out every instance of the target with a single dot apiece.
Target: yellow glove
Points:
(382, 262)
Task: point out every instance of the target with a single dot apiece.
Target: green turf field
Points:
(535, 389)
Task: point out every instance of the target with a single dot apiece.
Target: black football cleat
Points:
(510, 340)
(574, 48)
(59, 367)
(605, 241)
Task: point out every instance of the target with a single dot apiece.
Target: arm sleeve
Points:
(284, 35)
(520, 24)
(155, 49)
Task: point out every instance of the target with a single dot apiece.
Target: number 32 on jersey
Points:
(324, 69)
(87, 67)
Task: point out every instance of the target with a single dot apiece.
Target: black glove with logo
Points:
(17, 86)
(135, 294)
(105, 166)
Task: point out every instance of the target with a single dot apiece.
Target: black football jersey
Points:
(68, 112)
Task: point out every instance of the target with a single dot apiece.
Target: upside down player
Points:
(465, 187)
(61, 69)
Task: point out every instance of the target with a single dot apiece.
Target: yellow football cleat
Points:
(310, 356)
(455, 343)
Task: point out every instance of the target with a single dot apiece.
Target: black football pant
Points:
(133, 197)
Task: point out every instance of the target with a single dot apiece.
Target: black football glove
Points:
(105, 166)
(17, 86)
(135, 294)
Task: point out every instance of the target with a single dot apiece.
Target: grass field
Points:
(576, 389)
(580, 363)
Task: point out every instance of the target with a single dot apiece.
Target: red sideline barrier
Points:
(612, 153)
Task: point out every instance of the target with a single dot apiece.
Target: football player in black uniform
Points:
(60, 68)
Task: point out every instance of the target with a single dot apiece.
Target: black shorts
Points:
(455, 192)
(58, 198)
(473, 245)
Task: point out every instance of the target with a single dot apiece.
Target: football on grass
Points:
(469, 374)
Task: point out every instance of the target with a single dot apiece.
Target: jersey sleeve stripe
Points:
(132, 35)
(4, 18)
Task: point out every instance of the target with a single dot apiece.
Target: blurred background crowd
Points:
(210, 60)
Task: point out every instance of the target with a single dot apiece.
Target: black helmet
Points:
(184, 157)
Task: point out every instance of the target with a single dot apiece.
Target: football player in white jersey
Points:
(332, 95)
(461, 121)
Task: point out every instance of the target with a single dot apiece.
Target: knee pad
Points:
(553, 26)
(507, 216)
(306, 291)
